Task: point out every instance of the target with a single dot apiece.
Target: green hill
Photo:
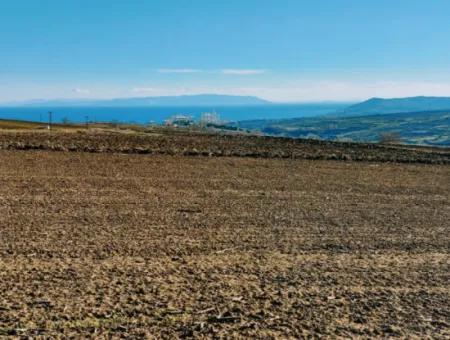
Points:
(427, 128)
(397, 105)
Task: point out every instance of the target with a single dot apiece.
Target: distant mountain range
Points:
(368, 107)
(416, 120)
(187, 100)
(397, 105)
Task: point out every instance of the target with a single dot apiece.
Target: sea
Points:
(157, 115)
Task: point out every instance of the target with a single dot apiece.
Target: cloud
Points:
(80, 91)
(228, 71)
(178, 70)
(242, 72)
(144, 90)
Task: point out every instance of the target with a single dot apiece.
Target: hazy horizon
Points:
(87, 99)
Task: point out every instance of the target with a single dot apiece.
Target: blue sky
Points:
(287, 50)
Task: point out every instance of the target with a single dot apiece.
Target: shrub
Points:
(390, 138)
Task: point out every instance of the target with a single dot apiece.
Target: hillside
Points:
(7, 124)
(397, 105)
(426, 128)
(187, 100)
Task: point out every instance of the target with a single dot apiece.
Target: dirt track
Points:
(136, 245)
(181, 143)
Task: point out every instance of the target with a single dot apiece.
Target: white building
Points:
(179, 120)
(210, 118)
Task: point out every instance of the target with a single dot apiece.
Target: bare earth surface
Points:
(158, 141)
(99, 244)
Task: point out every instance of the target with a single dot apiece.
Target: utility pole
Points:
(87, 122)
(50, 113)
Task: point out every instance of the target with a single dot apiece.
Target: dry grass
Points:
(19, 125)
(167, 246)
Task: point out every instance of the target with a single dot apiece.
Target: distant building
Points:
(179, 120)
(210, 118)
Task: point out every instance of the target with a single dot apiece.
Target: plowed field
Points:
(181, 143)
(107, 244)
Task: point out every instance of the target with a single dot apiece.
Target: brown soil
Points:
(181, 143)
(103, 244)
